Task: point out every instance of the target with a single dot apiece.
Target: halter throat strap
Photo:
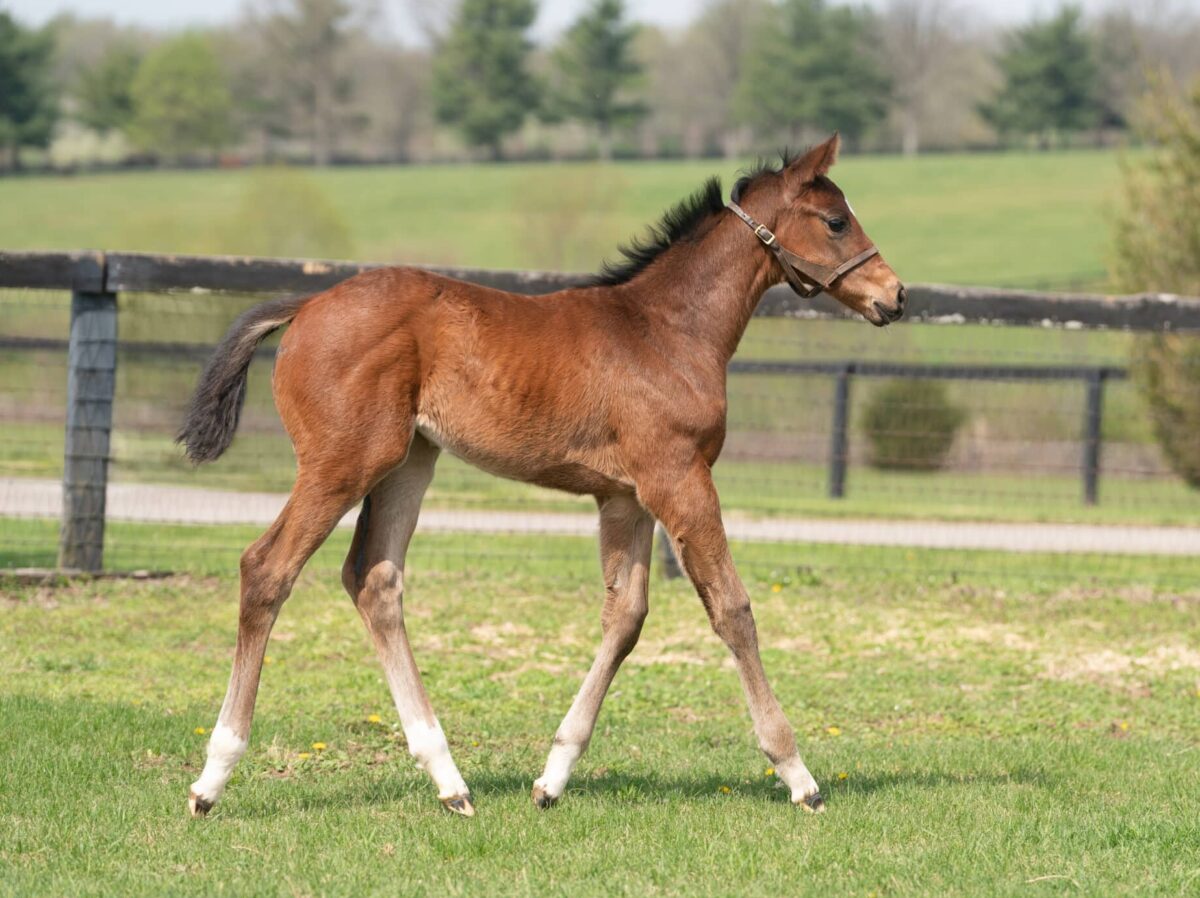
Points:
(805, 277)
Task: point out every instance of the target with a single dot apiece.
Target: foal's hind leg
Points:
(269, 568)
(374, 577)
(626, 537)
(688, 507)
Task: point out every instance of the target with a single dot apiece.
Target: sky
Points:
(554, 15)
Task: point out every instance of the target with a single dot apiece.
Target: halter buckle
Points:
(763, 233)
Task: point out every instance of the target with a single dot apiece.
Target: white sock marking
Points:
(428, 745)
(225, 749)
(560, 763)
(797, 778)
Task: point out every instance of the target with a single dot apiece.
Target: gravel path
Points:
(178, 504)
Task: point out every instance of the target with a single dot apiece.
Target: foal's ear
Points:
(816, 162)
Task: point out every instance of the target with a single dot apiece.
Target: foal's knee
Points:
(264, 586)
(733, 622)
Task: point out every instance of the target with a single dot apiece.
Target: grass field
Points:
(974, 219)
(989, 734)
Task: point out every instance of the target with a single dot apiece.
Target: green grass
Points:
(996, 734)
(1012, 218)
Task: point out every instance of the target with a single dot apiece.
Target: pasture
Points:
(999, 219)
(980, 723)
(980, 734)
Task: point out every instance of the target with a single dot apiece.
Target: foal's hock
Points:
(616, 389)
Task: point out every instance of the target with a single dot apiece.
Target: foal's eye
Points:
(837, 225)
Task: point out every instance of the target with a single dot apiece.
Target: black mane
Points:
(679, 223)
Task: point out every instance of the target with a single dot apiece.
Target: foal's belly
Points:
(510, 456)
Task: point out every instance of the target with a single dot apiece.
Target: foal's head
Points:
(819, 232)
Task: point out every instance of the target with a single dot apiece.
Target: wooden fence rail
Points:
(95, 279)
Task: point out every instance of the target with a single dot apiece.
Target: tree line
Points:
(320, 81)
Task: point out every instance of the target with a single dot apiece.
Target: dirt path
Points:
(177, 504)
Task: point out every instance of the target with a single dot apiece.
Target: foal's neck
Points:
(706, 289)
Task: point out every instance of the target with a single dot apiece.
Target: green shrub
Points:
(1157, 249)
(911, 425)
(284, 212)
(1166, 369)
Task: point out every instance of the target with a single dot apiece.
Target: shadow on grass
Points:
(395, 787)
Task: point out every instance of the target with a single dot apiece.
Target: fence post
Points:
(1092, 421)
(838, 441)
(91, 380)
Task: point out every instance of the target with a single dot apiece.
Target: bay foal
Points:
(615, 390)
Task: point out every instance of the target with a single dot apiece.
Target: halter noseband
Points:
(805, 277)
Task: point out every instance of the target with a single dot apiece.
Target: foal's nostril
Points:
(901, 296)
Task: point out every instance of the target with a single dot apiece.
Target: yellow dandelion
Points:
(724, 790)
(834, 731)
(1124, 725)
(267, 659)
(319, 746)
(199, 731)
(769, 772)
(374, 718)
(303, 756)
(475, 743)
(843, 775)
(776, 587)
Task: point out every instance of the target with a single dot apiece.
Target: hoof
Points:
(459, 804)
(814, 804)
(543, 799)
(197, 806)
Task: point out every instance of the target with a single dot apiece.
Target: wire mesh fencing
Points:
(940, 450)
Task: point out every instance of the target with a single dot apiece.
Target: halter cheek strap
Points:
(805, 277)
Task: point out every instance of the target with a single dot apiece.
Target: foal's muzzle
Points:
(886, 314)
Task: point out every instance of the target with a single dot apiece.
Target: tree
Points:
(1157, 248)
(28, 100)
(927, 61)
(810, 72)
(306, 43)
(594, 70)
(480, 84)
(181, 100)
(1051, 80)
(720, 42)
(105, 92)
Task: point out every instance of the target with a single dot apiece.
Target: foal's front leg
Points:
(690, 511)
(626, 538)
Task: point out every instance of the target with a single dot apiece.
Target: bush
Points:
(1157, 249)
(284, 212)
(911, 425)
(1166, 369)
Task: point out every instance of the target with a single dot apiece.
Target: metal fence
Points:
(1035, 454)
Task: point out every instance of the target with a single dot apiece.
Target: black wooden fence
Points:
(95, 279)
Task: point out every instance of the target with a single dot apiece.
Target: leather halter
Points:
(805, 277)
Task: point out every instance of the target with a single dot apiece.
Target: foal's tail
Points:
(212, 415)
